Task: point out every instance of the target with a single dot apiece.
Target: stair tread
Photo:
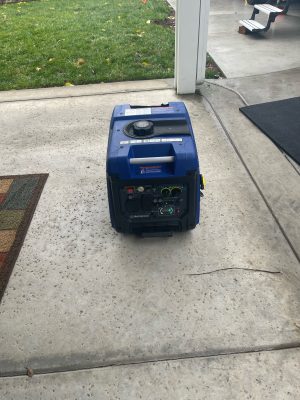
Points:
(251, 24)
(268, 8)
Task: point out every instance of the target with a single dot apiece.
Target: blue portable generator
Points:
(152, 166)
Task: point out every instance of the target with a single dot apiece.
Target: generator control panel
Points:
(145, 201)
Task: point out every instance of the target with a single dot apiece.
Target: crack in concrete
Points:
(235, 268)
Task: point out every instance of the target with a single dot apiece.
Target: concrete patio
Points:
(210, 314)
(204, 314)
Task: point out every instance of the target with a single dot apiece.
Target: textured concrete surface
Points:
(271, 170)
(268, 376)
(266, 87)
(82, 295)
(243, 55)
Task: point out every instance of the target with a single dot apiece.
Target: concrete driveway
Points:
(209, 314)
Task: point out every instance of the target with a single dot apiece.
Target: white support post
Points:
(187, 29)
(203, 36)
(191, 44)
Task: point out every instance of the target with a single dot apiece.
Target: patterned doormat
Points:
(19, 195)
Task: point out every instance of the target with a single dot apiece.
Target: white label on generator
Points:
(138, 111)
(156, 140)
(171, 140)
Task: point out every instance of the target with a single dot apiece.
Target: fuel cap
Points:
(143, 128)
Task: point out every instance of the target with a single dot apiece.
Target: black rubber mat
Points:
(280, 121)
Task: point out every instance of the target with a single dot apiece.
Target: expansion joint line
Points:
(168, 358)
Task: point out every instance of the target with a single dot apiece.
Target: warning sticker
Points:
(151, 169)
(138, 111)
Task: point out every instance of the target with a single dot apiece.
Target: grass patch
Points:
(50, 42)
(47, 43)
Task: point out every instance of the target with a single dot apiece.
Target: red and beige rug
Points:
(19, 195)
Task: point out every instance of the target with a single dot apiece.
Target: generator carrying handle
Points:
(152, 160)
